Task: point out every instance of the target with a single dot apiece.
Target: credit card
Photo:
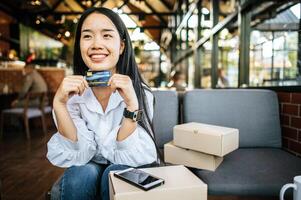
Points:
(98, 78)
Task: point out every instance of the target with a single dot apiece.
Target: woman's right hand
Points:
(70, 86)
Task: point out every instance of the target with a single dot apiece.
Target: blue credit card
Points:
(98, 78)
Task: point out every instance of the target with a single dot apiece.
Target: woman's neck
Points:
(102, 92)
(102, 95)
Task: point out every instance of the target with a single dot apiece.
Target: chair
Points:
(48, 102)
(27, 112)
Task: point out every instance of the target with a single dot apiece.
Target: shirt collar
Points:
(114, 101)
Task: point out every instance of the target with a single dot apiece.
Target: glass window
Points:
(206, 51)
(274, 50)
(43, 46)
(228, 59)
(191, 70)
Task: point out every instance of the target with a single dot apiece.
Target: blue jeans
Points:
(90, 181)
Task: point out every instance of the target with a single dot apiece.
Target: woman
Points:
(93, 135)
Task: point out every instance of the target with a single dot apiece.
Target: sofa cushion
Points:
(165, 115)
(254, 112)
(252, 171)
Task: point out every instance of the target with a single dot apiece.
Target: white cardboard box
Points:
(190, 158)
(179, 184)
(210, 139)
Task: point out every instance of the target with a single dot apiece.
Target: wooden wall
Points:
(13, 78)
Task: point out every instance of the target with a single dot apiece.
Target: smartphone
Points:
(139, 178)
(98, 78)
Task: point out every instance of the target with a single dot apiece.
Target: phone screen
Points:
(140, 178)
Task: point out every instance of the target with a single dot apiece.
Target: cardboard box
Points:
(190, 158)
(179, 184)
(210, 139)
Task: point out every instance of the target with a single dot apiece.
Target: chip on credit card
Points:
(98, 78)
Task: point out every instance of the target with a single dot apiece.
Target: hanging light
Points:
(59, 36)
(205, 11)
(35, 2)
(59, 19)
(75, 20)
(67, 34)
(87, 3)
(40, 19)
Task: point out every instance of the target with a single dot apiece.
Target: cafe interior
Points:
(231, 63)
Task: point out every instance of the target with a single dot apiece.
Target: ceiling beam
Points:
(28, 20)
(68, 5)
(282, 7)
(153, 27)
(6, 9)
(154, 11)
(130, 13)
(101, 2)
(287, 5)
(168, 6)
(56, 5)
(80, 4)
(186, 17)
(97, 4)
(47, 4)
(124, 3)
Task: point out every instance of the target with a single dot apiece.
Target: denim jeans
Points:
(87, 182)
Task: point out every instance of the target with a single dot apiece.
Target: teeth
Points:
(96, 56)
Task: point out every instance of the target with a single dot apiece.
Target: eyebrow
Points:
(103, 30)
(107, 30)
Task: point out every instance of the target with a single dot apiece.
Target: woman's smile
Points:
(98, 57)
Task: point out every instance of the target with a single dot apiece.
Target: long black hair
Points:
(126, 65)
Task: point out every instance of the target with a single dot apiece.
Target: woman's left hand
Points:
(125, 88)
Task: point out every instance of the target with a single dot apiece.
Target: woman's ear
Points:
(122, 46)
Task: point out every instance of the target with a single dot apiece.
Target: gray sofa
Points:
(166, 115)
(259, 167)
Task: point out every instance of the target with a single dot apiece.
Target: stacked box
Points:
(200, 145)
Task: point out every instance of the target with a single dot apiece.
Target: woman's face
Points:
(100, 43)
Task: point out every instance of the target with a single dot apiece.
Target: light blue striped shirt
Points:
(97, 131)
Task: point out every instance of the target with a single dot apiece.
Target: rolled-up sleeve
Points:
(137, 149)
(63, 152)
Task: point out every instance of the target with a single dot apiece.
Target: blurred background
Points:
(251, 43)
(179, 45)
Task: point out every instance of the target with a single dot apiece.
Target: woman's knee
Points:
(78, 176)
(112, 167)
(105, 179)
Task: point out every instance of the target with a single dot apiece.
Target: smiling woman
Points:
(97, 132)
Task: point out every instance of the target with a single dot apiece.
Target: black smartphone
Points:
(98, 78)
(139, 178)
